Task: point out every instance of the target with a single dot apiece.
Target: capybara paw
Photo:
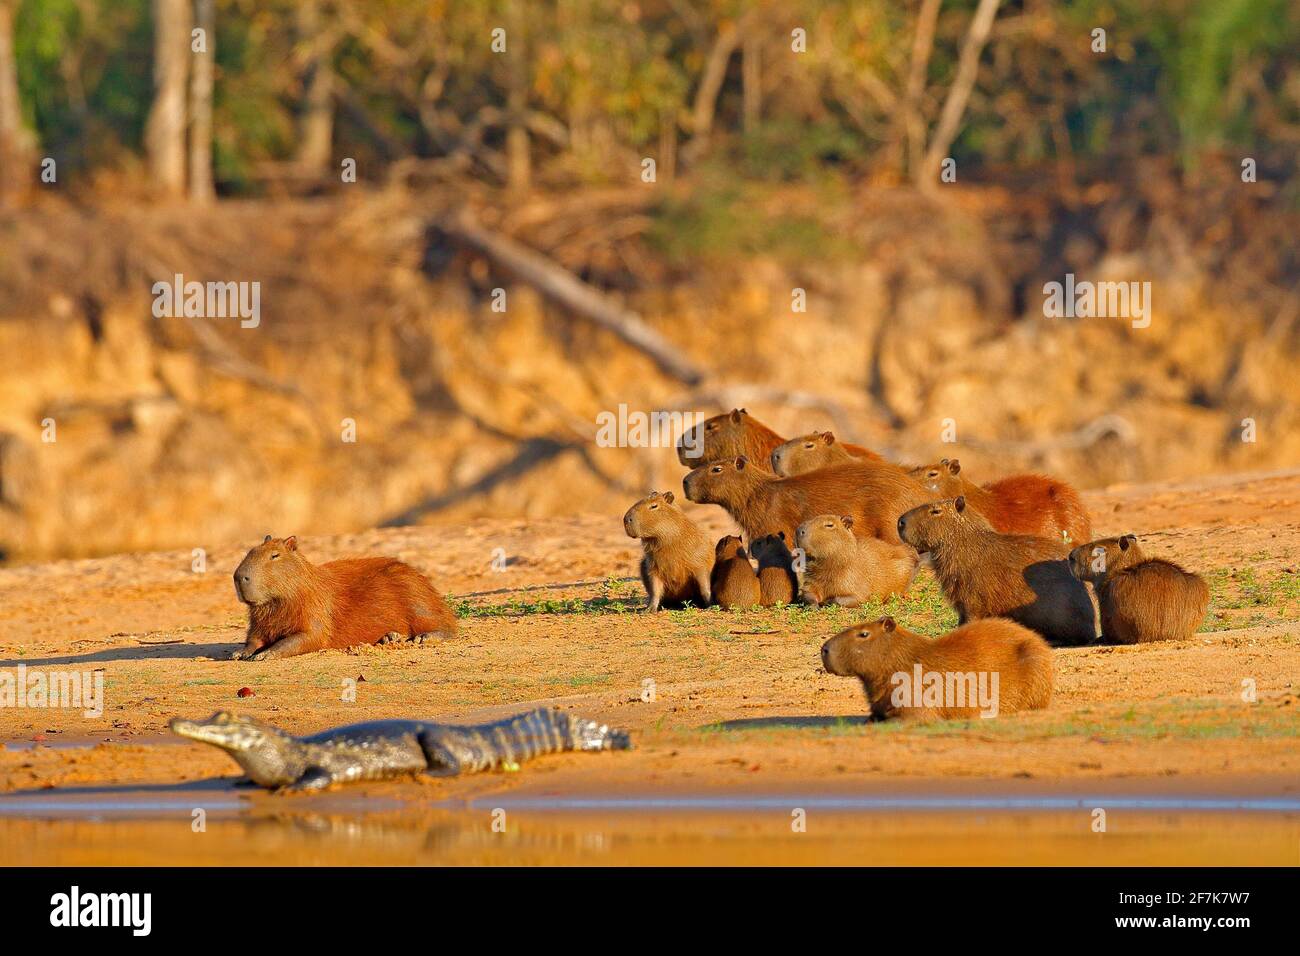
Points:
(237, 654)
(392, 637)
(431, 636)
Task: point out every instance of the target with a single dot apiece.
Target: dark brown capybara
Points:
(295, 607)
(735, 585)
(987, 667)
(840, 568)
(984, 573)
(1019, 504)
(777, 581)
(737, 433)
(873, 494)
(1141, 599)
(676, 555)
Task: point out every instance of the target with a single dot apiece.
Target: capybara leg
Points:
(654, 594)
(251, 647)
(431, 636)
(703, 582)
(294, 644)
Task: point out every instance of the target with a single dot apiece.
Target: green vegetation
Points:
(596, 86)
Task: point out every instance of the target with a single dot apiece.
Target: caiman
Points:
(389, 748)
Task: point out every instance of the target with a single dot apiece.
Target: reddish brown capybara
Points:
(295, 607)
(842, 569)
(982, 669)
(777, 581)
(1141, 599)
(737, 433)
(873, 494)
(735, 585)
(676, 555)
(984, 573)
(1019, 504)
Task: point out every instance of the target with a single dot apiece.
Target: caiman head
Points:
(270, 757)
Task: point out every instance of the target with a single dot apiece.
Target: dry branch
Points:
(567, 289)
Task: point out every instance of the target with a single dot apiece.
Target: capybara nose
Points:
(902, 526)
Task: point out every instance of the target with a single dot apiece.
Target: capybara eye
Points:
(711, 427)
(864, 633)
(807, 444)
(934, 474)
(654, 507)
(716, 469)
(936, 511)
(275, 555)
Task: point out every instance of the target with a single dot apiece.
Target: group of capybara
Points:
(834, 523)
(826, 523)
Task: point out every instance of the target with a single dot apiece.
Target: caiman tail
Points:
(511, 741)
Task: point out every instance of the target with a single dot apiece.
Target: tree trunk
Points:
(316, 120)
(165, 130)
(519, 170)
(201, 188)
(954, 107)
(16, 142)
(751, 70)
(922, 46)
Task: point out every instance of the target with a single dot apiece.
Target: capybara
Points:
(798, 456)
(1141, 599)
(736, 433)
(734, 582)
(677, 556)
(295, 607)
(874, 494)
(840, 568)
(777, 581)
(1019, 504)
(984, 573)
(981, 669)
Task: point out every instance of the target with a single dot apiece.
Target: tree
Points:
(165, 129)
(16, 141)
(201, 188)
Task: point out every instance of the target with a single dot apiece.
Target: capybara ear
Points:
(669, 497)
(887, 623)
(736, 413)
(954, 466)
(960, 504)
(1127, 540)
(846, 520)
(291, 542)
(781, 535)
(828, 438)
(741, 462)
(266, 539)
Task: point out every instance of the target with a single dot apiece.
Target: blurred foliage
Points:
(609, 81)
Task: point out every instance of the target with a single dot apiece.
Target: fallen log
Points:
(561, 285)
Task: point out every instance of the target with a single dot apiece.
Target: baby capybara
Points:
(735, 585)
(981, 669)
(874, 494)
(1141, 599)
(737, 433)
(676, 555)
(1019, 504)
(984, 573)
(777, 581)
(295, 607)
(842, 569)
